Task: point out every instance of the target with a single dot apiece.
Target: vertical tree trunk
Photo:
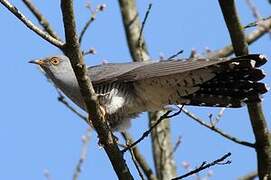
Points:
(257, 119)
(164, 163)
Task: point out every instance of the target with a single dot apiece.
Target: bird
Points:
(128, 89)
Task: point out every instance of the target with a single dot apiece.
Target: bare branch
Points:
(30, 25)
(61, 98)
(146, 133)
(132, 28)
(139, 158)
(133, 157)
(140, 42)
(136, 164)
(206, 165)
(259, 22)
(257, 119)
(42, 20)
(176, 146)
(249, 176)
(254, 9)
(217, 118)
(83, 155)
(250, 38)
(72, 50)
(90, 20)
(134, 32)
(175, 55)
(213, 128)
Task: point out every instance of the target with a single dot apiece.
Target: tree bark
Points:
(257, 119)
(164, 162)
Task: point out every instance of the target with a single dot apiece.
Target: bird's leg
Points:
(102, 102)
(101, 99)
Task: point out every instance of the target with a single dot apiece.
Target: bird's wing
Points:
(133, 71)
(170, 67)
(110, 72)
(206, 82)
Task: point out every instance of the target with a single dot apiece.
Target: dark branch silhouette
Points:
(206, 165)
(146, 133)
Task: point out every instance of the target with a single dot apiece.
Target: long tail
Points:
(233, 87)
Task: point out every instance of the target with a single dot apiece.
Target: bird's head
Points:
(54, 65)
(57, 68)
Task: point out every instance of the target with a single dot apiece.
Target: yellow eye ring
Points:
(54, 61)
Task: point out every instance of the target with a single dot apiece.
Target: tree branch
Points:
(250, 38)
(31, 26)
(133, 28)
(139, 157)
(257, 119)
(83, 155)
(213, 128)
(90, 20)
(146, 133)
(42, 20)
(73, 51)
(138, 50)
(206, 165)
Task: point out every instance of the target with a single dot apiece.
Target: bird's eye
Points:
(54, 61)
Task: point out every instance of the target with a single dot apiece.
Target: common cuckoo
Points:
(128, 89)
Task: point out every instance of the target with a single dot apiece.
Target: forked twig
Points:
(42, 20)
(146, 133)
(32, 26)
(206, 165)
(139, 158)
(213, 128)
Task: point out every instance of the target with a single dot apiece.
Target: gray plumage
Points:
(128, 89)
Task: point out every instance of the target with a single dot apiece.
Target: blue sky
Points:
(37, 132)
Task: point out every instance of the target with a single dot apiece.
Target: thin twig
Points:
(132, 26)
(176, 146)
(146, 133)
(133, 156)
(250, 38)
(42, 20)
(143, 25)
(206, 165)
(139, 158)
(136, 165)
(213, 128)
(258, 22)
(83, 155)
(86, 26)
(217, 118)
(256, 13)
(175, 55)
(90, 20)
(61, 98)
(31, 26)
(253, 9)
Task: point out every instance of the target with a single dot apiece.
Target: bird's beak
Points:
(38, 62)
